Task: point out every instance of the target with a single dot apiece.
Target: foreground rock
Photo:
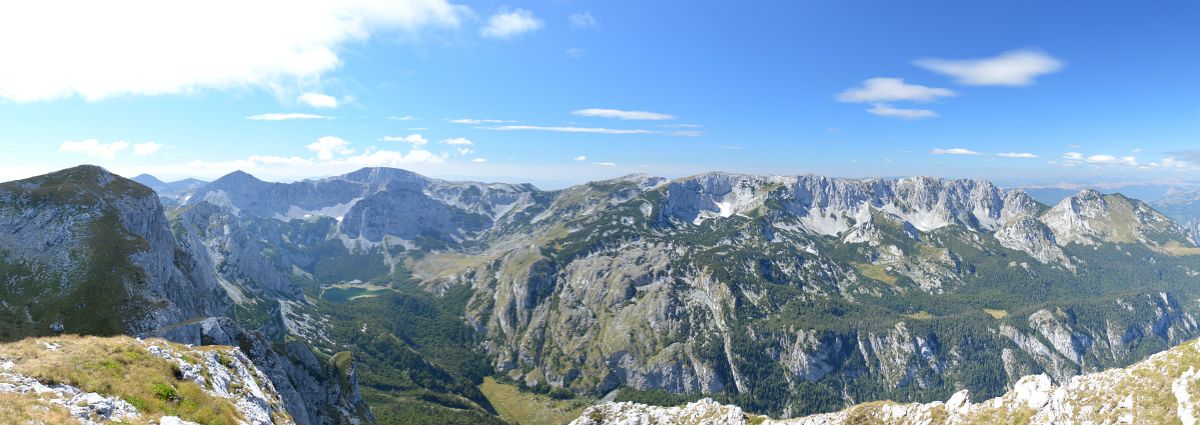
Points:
(1161, 389)
(93, 380)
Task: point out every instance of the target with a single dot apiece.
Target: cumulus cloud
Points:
(622, 115)
(148, 148)
(953, 151)
(97, 50)
(510, 23)
(479, 160)
(581, 158)
(457, 141)
(582, 20)
(318, 100)
(286, 116)
(886, 110)
(415, 139)
(463, 150)
(882, 89)
(93, 148)
(1012, 68)
(1017, 155)
(329, 146)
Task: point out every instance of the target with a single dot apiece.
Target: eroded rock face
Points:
(309, 389)
(1159, 389)
(88, 239)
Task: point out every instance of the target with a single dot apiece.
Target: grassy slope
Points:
(117, 366)
(526, 408)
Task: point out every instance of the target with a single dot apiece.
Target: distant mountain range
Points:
(786, 295)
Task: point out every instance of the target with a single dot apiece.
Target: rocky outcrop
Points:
(1160, 389)
(313, 391)
(224, 374)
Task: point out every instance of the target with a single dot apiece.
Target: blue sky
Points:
(559, 92)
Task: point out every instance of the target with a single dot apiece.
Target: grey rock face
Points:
(61, 228)
(312, 392)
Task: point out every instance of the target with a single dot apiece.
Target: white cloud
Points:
(415, 139)
(581, 158)
(144, 149)
(329, 146)
(622, 115)
(953, 151)
(582, 20)
(1017, 155)
(402, 118)
(464, 150)
(1012, 68)
(882, 89)
(289, 116)
(576, 52)
(473, 121)
(93, 148)
(457, 141)
(318, 100)
(510, 23)
(98, 50)
(1076, 158)
(479, 160)
(885, 110)
(568, 129)
(1111, 160)
(605, 164)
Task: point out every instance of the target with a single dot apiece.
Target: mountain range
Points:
(786, 295)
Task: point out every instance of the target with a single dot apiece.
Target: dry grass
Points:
(27, 409)
(996, 314)
(920, 315)
(121, 367)
(530, 409)
(876, 272)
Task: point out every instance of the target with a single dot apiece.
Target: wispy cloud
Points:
(622, 115)
(953, 151)
(415, 139)
(318, 100)
(401, 118)
(479, 160)
(510, 23)
(146, 48)
(605, 164)
(474, 121)
(1017, 155)
(287, 116)
(1012, 68)
(576, 53)
(880, 89)
(581, 158)
(886, 110)
(582, 20)
(568, 129)
(93, 148)
(457, 141)
(593, 130)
